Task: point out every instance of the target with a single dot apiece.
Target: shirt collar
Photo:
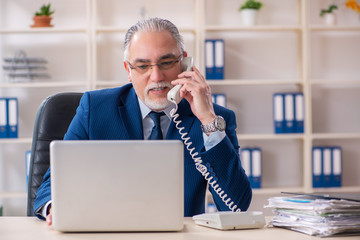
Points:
(145, 110)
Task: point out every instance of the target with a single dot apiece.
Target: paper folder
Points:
(12, 128)
(214, 58)
(252, 164)
(3, 118)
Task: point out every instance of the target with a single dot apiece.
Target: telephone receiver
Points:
(174, 94)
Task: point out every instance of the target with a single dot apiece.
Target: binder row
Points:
(252, 163)
(288, 112)
(214, 59)
(8, 117)
(219, 98)
(327, 166)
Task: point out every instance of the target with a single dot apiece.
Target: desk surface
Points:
(31, 228)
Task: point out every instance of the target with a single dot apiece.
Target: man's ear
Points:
(127, 68)
(185, 54)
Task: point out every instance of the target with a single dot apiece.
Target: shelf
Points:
(110, 29)
(342, 82)
(42, 84)
(107, 29)
(270, 136)
(334, 28)
(13, 195)
(343, 189)
(298, 136)
(110, 83)
(235, 82)
(43, 30)
(335, 136)
(278, 190)
(15, 140)
(273, 191)
(279, 28)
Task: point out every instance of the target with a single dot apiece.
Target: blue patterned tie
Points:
(156, 131)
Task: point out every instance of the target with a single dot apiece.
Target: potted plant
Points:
(329, 15)
(42, 18)
(249, 11)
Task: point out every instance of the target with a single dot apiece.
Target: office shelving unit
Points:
(67, 47)
(334, 90)
(304, 27)
(257, 83)
(283, 52)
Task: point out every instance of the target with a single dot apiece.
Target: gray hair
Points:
(153, 25)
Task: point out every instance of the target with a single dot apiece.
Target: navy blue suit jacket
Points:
(114, 114)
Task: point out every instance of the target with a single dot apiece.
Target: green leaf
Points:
(332, 7)
(329, 10)
(251, 4)
(45, 10)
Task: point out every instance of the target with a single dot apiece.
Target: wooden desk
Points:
(30, 228)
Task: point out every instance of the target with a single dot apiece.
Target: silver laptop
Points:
(117, 185)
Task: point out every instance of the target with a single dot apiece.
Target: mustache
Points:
(158, 85)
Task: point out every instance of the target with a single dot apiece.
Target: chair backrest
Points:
(52, 121)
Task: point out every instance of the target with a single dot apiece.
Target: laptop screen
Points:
(117, 185)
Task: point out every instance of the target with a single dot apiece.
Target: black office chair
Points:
(52, 121)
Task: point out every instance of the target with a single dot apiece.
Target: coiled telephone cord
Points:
(199, 163)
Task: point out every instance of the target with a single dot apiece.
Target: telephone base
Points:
(231, 220)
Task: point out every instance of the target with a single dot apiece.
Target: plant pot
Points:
(249, 17)
(330, 19)
(42, 21)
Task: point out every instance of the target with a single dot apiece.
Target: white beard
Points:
(157, 104)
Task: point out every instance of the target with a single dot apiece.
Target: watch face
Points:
(220, 123)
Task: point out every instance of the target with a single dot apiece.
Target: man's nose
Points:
(156, 74)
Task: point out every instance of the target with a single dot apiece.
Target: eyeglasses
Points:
(163, 64)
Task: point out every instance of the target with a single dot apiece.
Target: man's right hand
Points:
(49, 217)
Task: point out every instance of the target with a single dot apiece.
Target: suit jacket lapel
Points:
(130, 115)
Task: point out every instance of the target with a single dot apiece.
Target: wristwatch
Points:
(218, 124)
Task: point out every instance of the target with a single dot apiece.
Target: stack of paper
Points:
(315, 215)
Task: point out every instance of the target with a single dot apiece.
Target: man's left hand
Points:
(198, 93)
